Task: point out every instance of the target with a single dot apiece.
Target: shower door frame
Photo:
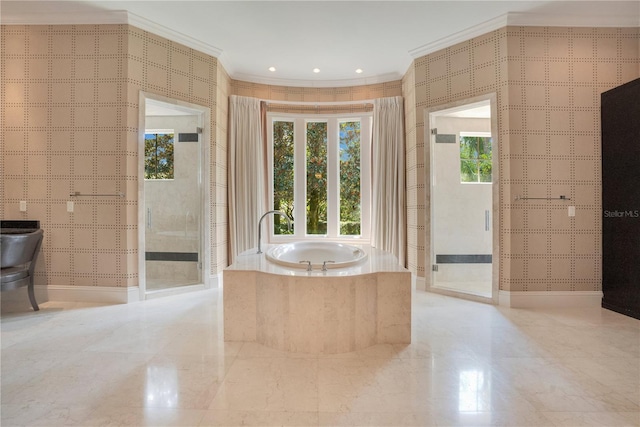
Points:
(205, 215)
(495, 194)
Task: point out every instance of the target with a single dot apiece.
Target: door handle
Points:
(487, 221)
(148, 217)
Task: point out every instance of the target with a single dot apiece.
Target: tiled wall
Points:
(69, 116)
(305, 94)
(548, 83)
(166, 68)
(556, 76)
(64, 118)
(462, 71)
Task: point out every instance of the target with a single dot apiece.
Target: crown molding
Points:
(175, 36)
(384, 78)
(526, 20)
(112, 17)
(78, 18)
(546, 20)
(125, 17)
(461, 36)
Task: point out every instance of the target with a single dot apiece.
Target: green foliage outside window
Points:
(350, 178)
(283, 175)
(317, 178)
(475, 159)
(158, 156)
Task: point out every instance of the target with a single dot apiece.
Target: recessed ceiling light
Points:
(359, 70)
(316, 70)
(272, 69)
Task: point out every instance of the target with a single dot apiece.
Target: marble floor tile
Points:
(594, 419)
(259, 418)
(43, 414)
(164, 362)
(269, 384)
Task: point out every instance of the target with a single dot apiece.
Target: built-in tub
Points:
(318, 254)
(335, 311)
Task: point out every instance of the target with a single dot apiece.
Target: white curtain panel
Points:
(246, 174)
(388, 231)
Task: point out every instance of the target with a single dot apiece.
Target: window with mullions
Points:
(320, 175)
(475, 158)
(158, 155)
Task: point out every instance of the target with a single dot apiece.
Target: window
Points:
(158, 154)
(320, 175)
(475, 157)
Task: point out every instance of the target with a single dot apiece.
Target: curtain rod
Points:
(312, 103)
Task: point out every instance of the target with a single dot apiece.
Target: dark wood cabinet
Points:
(620, 114)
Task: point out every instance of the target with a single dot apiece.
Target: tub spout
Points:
(260, 225)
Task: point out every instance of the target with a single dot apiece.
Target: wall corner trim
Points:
(550, 299)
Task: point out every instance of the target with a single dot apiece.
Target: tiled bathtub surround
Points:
(164, 362)
(336, 311)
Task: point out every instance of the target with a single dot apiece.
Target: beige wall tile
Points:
(560, 169)
(13, 164)
(38, 41)
(560, 145)
(560, 96)
(561, 271)
(14, 43)
(585, 269)
(16, 93)
(537, 218)
(109, 44)
(559, 219)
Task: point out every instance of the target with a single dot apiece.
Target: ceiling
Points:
(379, 37)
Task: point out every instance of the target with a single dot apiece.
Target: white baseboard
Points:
(420, 283)
(550, 299)
(99, 294)
(215, 280)
(105, 294)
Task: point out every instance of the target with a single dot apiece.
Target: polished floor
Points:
(164, 362)
(481, 289)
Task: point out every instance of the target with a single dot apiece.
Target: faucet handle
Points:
(308, 265)
(324, 265)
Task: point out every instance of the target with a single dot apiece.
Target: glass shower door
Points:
(172, 202)
(461, 196)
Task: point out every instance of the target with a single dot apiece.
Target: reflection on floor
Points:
(482, 289)
(164, 362)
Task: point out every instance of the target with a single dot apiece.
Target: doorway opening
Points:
(463, 159)
(172, 196)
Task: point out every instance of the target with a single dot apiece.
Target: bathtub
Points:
(271, 299)
(319, 254)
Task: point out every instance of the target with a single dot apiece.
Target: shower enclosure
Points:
(463, 161)
(171, 228)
